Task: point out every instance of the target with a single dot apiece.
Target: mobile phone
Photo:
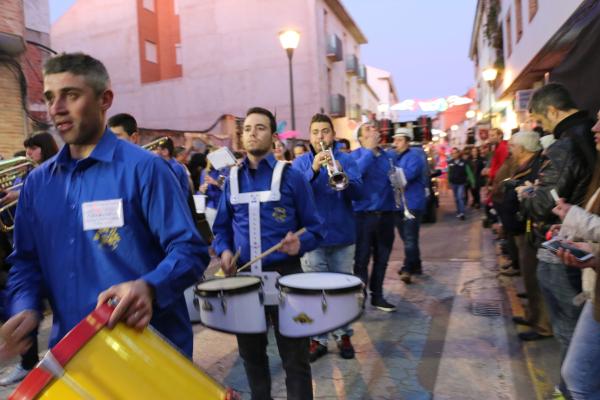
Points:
(554, 195)
(555, 244)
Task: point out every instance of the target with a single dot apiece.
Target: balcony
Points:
(335, 51)
(362, 74)
(355, 112)
(352, 65)
(337, 104)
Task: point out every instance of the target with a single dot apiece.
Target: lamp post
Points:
(289, 41)
(489, 75)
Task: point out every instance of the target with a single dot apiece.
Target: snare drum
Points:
(312, 303)
(232, 305)
(94, 362)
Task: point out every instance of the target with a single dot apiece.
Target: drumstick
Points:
(271, 250)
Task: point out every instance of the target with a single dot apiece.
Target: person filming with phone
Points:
(581, 370)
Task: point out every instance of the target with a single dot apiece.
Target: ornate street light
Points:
(289, 41)
(489, 75)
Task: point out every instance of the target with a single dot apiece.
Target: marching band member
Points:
(125, 127)
(102, 219)
(336, 252)
(166, 150)
(374, 214)
(211, 185)
(413, 166)
(263, 202)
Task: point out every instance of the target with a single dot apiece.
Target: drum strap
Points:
(254, 199)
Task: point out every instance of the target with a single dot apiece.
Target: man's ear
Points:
(106, 99)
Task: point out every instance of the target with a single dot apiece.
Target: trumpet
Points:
(338, 180)
(12, 176)
(398, 182)
(153, 145)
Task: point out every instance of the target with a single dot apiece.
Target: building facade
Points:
(181, 64)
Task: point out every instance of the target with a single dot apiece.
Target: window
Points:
(149, 5)
(519, 15)
(178, 54)
(508, 34)
(533, 7)
(151, 53)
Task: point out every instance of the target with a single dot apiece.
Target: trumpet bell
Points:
(338, 181)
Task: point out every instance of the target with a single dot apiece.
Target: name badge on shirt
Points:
(200, 203)
(102, 214)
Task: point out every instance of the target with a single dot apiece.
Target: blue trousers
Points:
(409, 232)
(459, 197)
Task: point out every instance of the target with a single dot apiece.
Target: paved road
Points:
(449, 339)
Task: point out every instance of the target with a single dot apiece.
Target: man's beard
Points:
(258, 152)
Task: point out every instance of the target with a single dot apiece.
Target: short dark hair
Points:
(168, 145)
(126, 121)
(45, 142)
(92, 70)
(266, 113)
(319, 117)
(346, 142)
(552, 94)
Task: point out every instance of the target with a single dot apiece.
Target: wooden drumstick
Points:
(269, 251)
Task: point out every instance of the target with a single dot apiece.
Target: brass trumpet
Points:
(338, 180)
(153, 145)
(12, 176)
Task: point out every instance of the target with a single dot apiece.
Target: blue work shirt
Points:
(377, 192)
(295, 210)
(181, 174)
(213, 192)
(53, 256)
(412, 163)
(335, 207)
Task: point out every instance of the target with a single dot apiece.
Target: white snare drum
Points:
(233, 305)
(312, 303)
(192, 304)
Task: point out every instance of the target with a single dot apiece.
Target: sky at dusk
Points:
(423, 43)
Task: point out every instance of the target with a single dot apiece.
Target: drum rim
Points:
(289, 289)
(233, 332)
(216, 292)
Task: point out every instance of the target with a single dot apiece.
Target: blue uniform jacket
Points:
(334, 207)
(411, 161)
(295, 209)
(53, 256)
(377, 193)
(213, 192)
(181, 174)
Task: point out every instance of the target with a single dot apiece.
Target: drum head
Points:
(234, 284)
(318, 281)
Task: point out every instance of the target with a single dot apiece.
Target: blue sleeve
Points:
(301, 164)
(364, 160)
(24, 287)
(355, 184)
(413, 167)
(184, 180)
(306, 211)
(223, 225)
(169, 219)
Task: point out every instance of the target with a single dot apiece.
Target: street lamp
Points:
(289, 41)
(489, 75)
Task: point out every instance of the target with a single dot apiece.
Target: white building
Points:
(181, 64)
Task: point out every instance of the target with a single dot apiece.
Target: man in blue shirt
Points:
(263, 202)
(125, 127)
(336, 252)
(102, 219)
(413, 166)
(374, 214)
(166, 150)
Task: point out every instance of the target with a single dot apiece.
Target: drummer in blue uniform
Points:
(336, 252)
(263, 202)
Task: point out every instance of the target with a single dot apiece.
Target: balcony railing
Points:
(352, 65)
(362, 74)
(355, 112)
(337, 106)
(335, 51)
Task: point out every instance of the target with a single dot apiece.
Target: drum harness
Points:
(254, 199)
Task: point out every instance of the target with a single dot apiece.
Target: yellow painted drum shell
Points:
(125, 364)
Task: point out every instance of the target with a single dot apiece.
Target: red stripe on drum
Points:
(81, 334)
(32, 385)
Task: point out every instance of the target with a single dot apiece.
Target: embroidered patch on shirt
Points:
(279, 214)
(108, 237)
